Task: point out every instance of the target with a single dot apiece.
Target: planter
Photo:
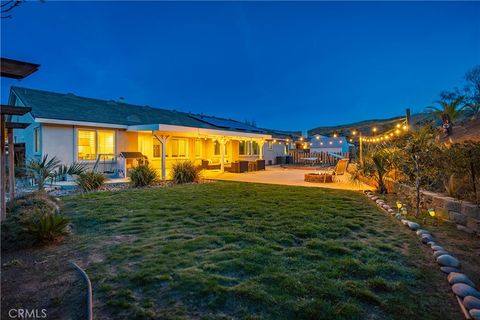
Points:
(319, 177)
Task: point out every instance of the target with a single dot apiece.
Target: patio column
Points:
(163, 141)
(260, 151)
(2, 168)
(222, 142)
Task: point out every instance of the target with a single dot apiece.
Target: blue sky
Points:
(285, 65)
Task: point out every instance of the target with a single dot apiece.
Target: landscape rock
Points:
(391, 210)
(413, 225)
(475, 314)
(448, 270)
(464, 229)
(426, 238)
(374, 198)
(458, 217)
(405, 222)
(438, 248)
(431, 243)
(447, 260)
(421, 231)
(471, 302)
(439, 253)
(455, 277)
(470, 210)
(463, 290)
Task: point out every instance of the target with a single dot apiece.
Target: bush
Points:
(143, 175)
(90, 181)
(185, 172)
(46, 227)
(28, 211)
(41, 170)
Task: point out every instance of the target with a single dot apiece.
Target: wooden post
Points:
(3, 211)
(222, 142)
(409, 119)
(163, 140)
(11, 164)
(361, 148)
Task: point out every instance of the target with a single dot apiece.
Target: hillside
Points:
(366, 125)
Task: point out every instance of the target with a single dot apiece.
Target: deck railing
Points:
(305, 157)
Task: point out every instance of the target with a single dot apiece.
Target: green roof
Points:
(52, 105)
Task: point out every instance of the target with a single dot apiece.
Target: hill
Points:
(366, 126)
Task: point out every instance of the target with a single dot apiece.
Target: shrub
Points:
(74, 169)
(185, 172)
(90, 181)
(33, 218)
(46, 227)
(41, 170)
(143, 175)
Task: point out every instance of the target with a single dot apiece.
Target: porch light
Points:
(318, 137)
(274, 141)
(335, 135)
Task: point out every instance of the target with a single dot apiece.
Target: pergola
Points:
(14, 69)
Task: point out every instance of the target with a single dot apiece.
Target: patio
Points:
(284, 176)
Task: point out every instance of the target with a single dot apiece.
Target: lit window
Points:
(198, 148)
(178, 148)
(106, 142)
(36, 138)
(87, 145)
(157, 148)
(94, 142)
(242, 148)
(248, 148)
(216, 148)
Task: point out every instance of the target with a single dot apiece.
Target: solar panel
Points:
(227, 124)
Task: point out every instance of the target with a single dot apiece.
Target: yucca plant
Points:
(90, 181)
(41, 170)
(143, 175)
(452, 186)
(73, 169)
(185, 172)
(46, 226)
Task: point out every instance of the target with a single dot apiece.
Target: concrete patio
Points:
(282, 176)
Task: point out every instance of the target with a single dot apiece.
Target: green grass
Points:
(249, 251)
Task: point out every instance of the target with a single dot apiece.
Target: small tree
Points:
(453, 107)
(472, 91)
(417, 162)
(378, 162)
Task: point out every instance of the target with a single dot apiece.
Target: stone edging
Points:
(84, 275)
(463, 288)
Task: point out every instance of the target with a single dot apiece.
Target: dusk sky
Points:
(291, 66)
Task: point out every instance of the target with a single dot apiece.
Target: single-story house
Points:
(109, 134)
(320, 143)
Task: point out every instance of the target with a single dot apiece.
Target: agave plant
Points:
(453, 108)
(41, 170)
(46, 227)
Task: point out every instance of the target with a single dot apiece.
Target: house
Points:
(276, 149)
(111, 134)
(320, 143)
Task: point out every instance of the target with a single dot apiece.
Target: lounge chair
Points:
(340, 169)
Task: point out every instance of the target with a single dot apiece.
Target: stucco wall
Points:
(270, 155)
(58, 141)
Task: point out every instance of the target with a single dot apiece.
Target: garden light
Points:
(404, 211)
(399, 206)
(431, 212)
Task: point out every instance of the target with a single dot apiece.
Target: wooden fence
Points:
(316, 158)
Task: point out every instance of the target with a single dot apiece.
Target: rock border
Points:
(462, 287)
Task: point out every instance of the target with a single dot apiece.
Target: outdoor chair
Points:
(340, 169)
(260, 165)
(206, 165)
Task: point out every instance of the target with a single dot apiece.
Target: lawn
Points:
(250, 251)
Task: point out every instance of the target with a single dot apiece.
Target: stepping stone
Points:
(426, 238)
(437, 248)
(421, 231)
(455, 277)
(471, 302)
(475, 314)
(449, 270)
(413, 225)
(439, 253)
(447, 260)
(463, 290)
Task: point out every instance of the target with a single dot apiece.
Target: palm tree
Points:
(453, 108)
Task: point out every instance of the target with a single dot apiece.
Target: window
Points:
(36, 141)
(86, 145)
(248, 148)
(198, 148)
(157, 148)
(93, 142)
(270, 145)
(216, 148)
(178, 148)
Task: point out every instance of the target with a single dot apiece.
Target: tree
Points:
(417, 162)
(378, 162)
(450, 104)
(472, 91)
(8, 6)
(43, 169)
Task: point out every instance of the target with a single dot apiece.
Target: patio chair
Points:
(206, 165)
(260, 164)
(340, 169)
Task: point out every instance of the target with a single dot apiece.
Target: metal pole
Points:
(11, 164)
